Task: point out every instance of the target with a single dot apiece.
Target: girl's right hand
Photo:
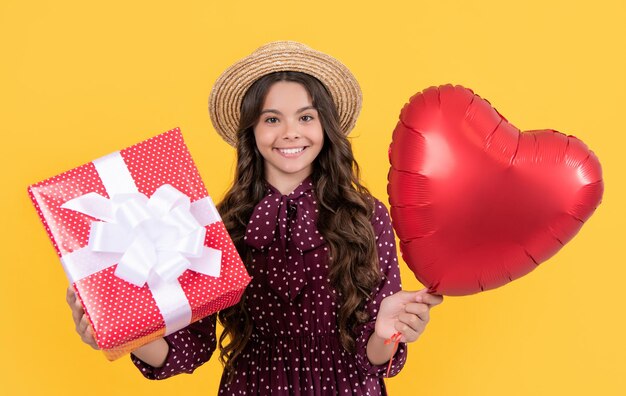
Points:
(83, 328)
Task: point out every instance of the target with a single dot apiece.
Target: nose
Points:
(292, 130)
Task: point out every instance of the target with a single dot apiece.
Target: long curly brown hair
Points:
(345, 210)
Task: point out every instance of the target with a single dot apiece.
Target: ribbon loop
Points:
(137, 262)
(171, 265)
(205, 263)
(92, 204)
(182, 219)
(165, 198)
(108, 237)
(131, 213)
(191, 245)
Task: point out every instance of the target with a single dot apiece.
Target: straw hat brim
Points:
(230, 87)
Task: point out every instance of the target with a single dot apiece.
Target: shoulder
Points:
(379, 208)
(380, 216)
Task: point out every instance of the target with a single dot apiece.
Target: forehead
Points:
(287, 94)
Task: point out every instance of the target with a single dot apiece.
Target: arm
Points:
(377, 351)
(399, 311)
(180, 352)
(154, 353)
(371, 352)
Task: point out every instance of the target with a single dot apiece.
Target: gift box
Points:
(141, 242)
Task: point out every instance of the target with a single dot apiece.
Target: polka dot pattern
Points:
(68, 230)
(280, 225)
(164, 159)
(188, 349)
(207, 294)
(295, 348)
(113, 309)
(123, 315)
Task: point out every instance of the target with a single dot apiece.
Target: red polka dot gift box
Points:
(141, 242)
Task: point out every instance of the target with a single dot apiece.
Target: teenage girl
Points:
(325, 293)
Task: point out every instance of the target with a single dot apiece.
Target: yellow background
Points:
(81, 79)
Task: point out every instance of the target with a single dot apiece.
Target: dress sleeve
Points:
(390, 284)
(189, 348)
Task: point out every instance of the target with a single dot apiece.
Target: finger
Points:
(70, 296)
(77, 313)
(404, 297)
(78, 308)
(78, 304)
(83, 325)
(92, 343)
(421, 310)
(420, 294)
(89, 338)
(408, 333)
(431, 299)
(76, 317)
(413, 321)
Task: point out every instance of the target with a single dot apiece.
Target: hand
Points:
(407, 313)
(83, 328)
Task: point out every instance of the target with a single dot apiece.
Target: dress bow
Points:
(285, 227)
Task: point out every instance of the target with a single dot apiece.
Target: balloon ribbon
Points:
(396, 340)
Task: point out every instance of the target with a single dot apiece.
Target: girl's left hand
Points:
(407, 313)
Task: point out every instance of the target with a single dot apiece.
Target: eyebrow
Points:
(298, 111)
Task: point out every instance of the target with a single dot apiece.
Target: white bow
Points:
(152, 240)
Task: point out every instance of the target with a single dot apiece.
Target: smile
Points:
(291, 152)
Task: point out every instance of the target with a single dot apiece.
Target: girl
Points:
(325, 293)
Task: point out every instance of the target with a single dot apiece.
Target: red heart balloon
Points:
(474, 202)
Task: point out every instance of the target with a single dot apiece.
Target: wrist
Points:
(154, 353)
(377, 351)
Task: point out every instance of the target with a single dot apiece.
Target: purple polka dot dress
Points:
(295, 347)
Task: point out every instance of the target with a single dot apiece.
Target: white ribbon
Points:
(152, 240)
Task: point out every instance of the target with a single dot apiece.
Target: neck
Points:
(286, 184)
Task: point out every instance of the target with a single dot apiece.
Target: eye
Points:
(306, 118)
(271, 120)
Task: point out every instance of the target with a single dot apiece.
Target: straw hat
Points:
(230, 87)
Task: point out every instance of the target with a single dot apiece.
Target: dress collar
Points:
(285, 227)
(305, 186)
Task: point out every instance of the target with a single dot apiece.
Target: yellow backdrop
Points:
(82, 79)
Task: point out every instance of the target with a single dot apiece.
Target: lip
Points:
(293, 155)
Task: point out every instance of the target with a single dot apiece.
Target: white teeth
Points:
(291, 150)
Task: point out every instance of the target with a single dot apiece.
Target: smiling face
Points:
(288, 134)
